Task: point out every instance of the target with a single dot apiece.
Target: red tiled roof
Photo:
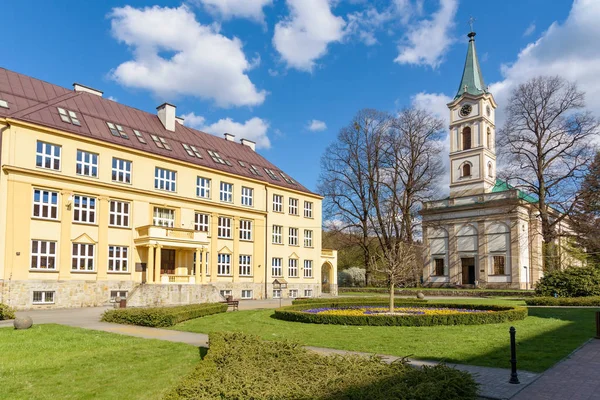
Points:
(36, 101)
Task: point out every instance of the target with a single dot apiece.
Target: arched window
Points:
(466, 170)
(490, 170)
(466, 138)
(489, 138)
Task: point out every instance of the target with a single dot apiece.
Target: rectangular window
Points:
(47, 155)
(68, 116)
(226, 193)
(203, 187)
(293, 268)
(438, 266)
(84, 209)
(272, 174)
(207, 269)
(164, 217)
(308, 292)
(83, 257)
(119, 214)
(224, 264)
(121, 170)
(499, 265)
(43, 297)
(122, 294)
(201, 222)
(225, 293)
(308, 268)
(254, 170)
(117, 130)
(160, 142)
(165, 179)
(276, 293)
(246, 294)
(308, 208)
(308, 235)
(293, 293)
(245, 265)
(277, 236)
(276, 269)
(118, 257)
(245, 229)
(293, 236)
(277, 203)
(247, 195)
(43, 255)
(293, 206)
(224, 228)
(139, 136)
(191, 150)
(87, 164)
(45, 204)
(215, 156)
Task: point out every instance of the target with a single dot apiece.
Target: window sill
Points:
(226, 238)
(225, 275)
(246, 276)
(42, 304)
(278, 244)
(87, 176)
(44, 271)
(48, 169)
(46, 219)
(119, 272)
(501, 275)
(294, 245)
(119, 227)
(123, 183)
(293, 277)
(85, 223)
(83, 272)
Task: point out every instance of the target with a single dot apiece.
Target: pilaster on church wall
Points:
(482, 251)
(453, 260)
(514, 254)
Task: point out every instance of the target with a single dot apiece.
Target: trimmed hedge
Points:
(162, 316)
(241, 366)
(591, 301)
(357, 301)
(502, 314)
(570, 282)
(6, 312)
(441, 292)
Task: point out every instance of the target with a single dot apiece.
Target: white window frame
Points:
(245, 264)
(277, 203)
(203, 187)
(245, 229)
(308, 238)
(308, 209)
(276, 293)
(308, 293)
(68, 116)
(224, 264)
(246, 294)
(119, 261)
(84, 257)
(247, 196)
(225, 293)
(86, 164)
(276, 267)
(43, 258)
(308, 268)
(165, 179)
(118, 213)
(277, 234)
(118, 293)
(48, 154)
(293, 268)
(293, 236)
(42, 205)
(293, 209)
(46, 297)
(121, 170)
(224, 228)
(159, 218)
(293, 293)
(85, 209)
(201, 222)
(226, 192)
(207, 269)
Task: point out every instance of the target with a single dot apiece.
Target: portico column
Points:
(203, 263)
(157, 264)
(199, 262)
(150, 264)
(236, 245)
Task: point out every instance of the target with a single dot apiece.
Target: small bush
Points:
(352, 277)
(241, 366)
(6, 312)
(441, 291)
(591, 301)
(161, 316)
(502, 314)
(357, 301)
(571, 282)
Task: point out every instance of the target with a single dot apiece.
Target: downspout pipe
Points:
(266, 238)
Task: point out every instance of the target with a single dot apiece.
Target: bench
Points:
(231, 303)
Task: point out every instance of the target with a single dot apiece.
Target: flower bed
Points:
(357, 301)
(405, 314)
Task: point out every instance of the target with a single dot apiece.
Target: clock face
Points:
(465, 110)
(488, 110)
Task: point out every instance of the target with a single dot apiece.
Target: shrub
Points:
(352, 277)
(571, 282)
(357, 301)
(6, 312)
(441, 291)
(564, 301)
(161, 316)
(241, 366)
(295, 313)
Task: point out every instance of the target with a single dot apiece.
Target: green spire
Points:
(472, 80)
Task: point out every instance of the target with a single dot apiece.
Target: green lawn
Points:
(59, 362)
(544, 338)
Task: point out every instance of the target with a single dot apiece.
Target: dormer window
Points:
(139, 136)
(466, 138)
(160, 142)
(254, 170)
(287, 178)
(242, 164)
(192, 150)
(68, 116)
(216, 157)
(3, 103)
(117, 130)
(272, 174)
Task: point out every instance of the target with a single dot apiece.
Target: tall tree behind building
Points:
(586, 218)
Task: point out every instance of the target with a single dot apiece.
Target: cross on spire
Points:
(471, 21)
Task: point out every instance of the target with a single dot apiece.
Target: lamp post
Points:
(526, 277)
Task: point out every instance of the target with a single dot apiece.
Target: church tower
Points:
(472, 132)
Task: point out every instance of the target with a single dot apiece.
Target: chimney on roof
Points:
(229, 137)
(249, 143)
(179, 119)
(81, 88)
(166, 114)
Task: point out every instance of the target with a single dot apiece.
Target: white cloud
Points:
(227, 9)
(254, 129)
(112, 98)
(175, 55)
(530, 29)
(303, 36)
(427, 41)
(315, 125)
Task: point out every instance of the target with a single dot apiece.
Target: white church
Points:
(485, 234)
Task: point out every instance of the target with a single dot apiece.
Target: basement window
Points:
(216, 157)
(139, 136)
(3, 104)
(68, 116)
(117, 130)
(271, 174)
(43, 297)
(254, 170)
(117, 293)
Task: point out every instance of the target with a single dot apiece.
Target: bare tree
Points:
(546, 145)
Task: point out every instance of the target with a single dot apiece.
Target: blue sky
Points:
(270, 70)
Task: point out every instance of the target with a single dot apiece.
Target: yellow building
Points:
(99, 200)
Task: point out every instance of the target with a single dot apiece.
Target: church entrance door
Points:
(468, 270)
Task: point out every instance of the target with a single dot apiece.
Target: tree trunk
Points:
(391, 296)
